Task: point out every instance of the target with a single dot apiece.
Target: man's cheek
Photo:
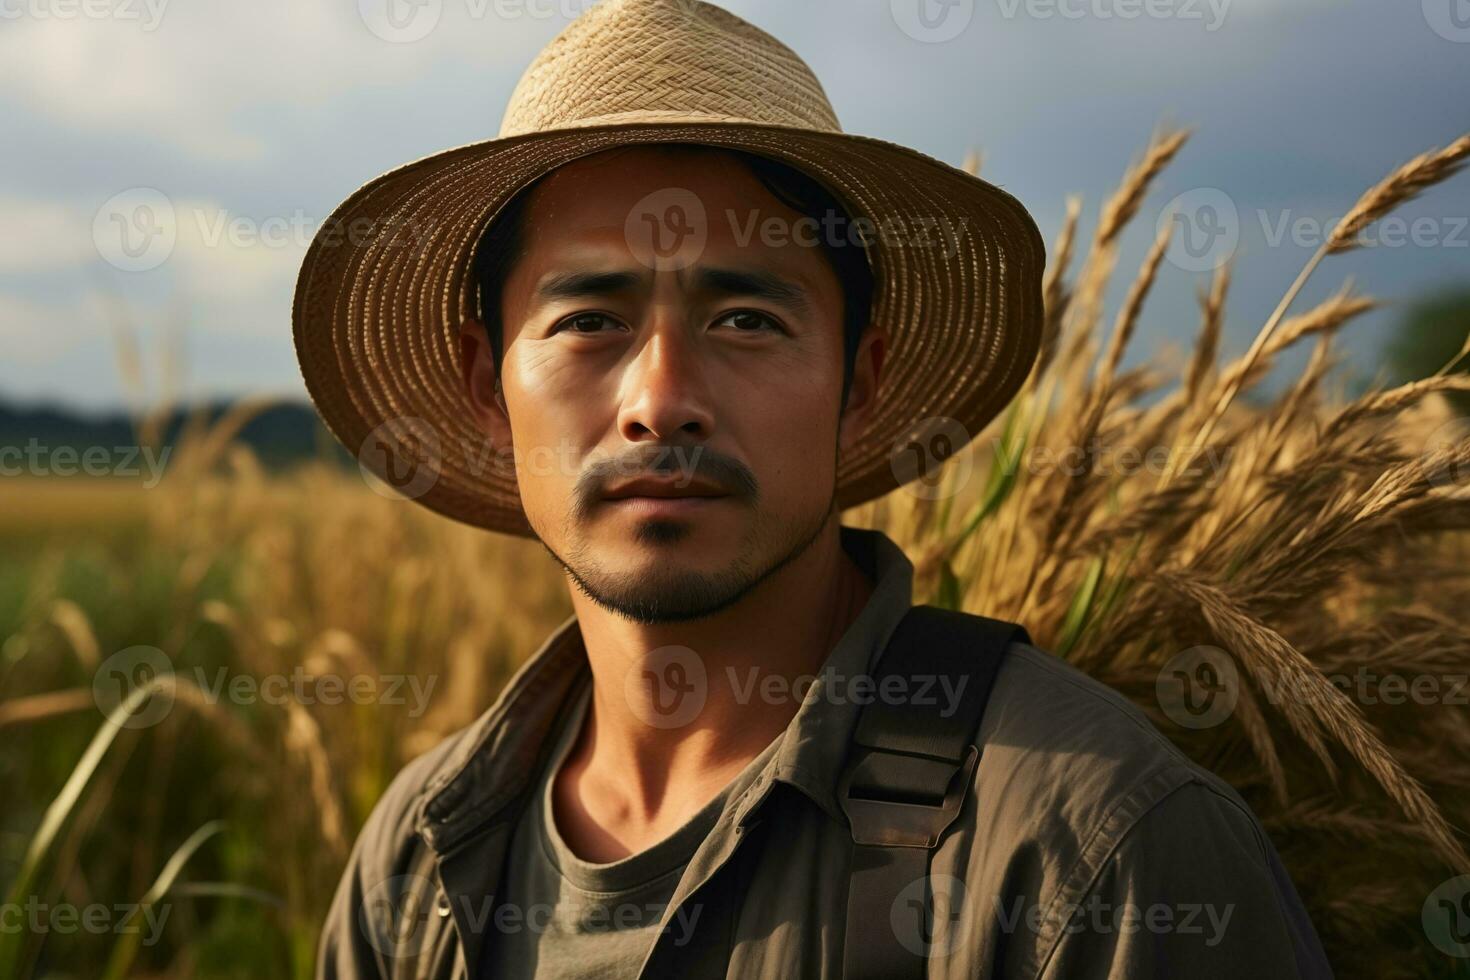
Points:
(802, 475)
(536, 473)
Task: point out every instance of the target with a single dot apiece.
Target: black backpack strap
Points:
(908, 773)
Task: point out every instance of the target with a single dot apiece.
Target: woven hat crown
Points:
(665, 61)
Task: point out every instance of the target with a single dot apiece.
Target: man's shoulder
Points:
(464, 756)
(390, 833)
(1069, 767)
(1081, 802)
(1065, 732)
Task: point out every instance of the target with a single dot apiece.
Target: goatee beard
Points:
(669, 594)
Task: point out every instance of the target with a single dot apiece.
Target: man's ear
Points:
(862, 395)
(482, 386)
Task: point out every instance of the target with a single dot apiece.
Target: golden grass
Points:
(1328, 540)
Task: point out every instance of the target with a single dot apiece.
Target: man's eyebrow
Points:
(730, 282)
(583, 285)
(765, 285)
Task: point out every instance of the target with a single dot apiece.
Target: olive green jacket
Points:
(1088, 845)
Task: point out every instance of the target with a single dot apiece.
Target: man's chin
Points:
(653, 594)
(665, 571)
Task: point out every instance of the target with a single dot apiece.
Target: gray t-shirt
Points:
(566, 917)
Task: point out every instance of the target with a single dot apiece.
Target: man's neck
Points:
(635, 775)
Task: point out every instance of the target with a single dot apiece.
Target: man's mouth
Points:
(664, 497)
(648, 488)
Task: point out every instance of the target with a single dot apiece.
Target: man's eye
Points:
(585, 323)
(749, 321)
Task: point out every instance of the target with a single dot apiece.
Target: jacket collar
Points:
(502, 752)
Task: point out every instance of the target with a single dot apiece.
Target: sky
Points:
(247, 123)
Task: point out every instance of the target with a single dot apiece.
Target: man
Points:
(691, 321)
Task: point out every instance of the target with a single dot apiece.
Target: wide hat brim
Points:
(386, 283)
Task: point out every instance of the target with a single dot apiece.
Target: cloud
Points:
(234, 254)
(197, 76)
(37, 332)
(41, 236)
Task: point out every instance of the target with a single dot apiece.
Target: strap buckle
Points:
(903, 823)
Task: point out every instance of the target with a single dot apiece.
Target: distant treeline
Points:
(281, 436)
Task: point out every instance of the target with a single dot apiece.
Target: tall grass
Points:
(223, 568)
(1308, 538)
(1305, 536)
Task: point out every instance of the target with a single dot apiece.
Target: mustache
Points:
(683, 463)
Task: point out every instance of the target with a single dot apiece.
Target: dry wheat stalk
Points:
(1132, 305)
(1313, 705)
(1054, 291)
(1119, 209)
(1212, 320)
(1404, 184)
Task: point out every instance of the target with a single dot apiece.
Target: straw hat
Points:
(387, 281)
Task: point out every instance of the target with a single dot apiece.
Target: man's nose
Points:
(663, 392)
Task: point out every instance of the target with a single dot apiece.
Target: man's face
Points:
(642, 343)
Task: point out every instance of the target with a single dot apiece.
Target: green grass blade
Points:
(12, 943)
(1080, 608)
(126, 950)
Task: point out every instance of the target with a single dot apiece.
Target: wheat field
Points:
(1325, 538)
